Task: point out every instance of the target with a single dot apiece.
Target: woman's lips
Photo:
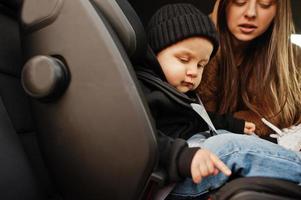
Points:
(247, 28)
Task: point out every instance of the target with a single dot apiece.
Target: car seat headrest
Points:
(126, 25)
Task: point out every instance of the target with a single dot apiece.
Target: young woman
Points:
(255, 74)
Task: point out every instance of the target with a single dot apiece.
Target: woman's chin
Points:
(245, 37)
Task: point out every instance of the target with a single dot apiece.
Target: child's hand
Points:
(205, 163)
(249, 128)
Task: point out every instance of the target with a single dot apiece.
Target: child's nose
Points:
(192, 71)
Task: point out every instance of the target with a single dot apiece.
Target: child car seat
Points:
(93, 125)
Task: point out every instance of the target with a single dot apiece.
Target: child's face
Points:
(183, 63)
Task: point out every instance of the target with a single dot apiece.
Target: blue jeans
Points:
(246, 156)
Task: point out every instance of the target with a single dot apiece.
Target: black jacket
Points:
(175, 119)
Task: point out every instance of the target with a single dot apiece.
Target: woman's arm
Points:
(227, 122)
(261, 129)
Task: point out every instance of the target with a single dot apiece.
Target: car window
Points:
(296, 7)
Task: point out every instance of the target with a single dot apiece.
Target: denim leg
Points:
(222, 131)
(197, 140)
(246, 156)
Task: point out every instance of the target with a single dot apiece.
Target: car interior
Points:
(74, 122)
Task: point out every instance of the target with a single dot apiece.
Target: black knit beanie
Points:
(175, 22)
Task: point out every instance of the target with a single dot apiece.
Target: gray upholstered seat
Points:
(94, 126)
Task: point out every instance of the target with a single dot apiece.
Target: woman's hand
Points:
(249, 128)
(250, 116)
(205, 163)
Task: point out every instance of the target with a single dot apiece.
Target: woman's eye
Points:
(239, 2)
(266, 4)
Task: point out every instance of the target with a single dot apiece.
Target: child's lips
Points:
(188, 84)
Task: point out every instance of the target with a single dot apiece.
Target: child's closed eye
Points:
(183, 59)
(201, 65)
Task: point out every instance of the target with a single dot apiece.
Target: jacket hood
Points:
(150, 63)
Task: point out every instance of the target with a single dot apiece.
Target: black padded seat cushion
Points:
(11, 91)
(22, 171)
(10, 51)
(17, 178)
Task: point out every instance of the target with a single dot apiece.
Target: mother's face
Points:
(248, 19)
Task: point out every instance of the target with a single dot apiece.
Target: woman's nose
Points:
(251, 11)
